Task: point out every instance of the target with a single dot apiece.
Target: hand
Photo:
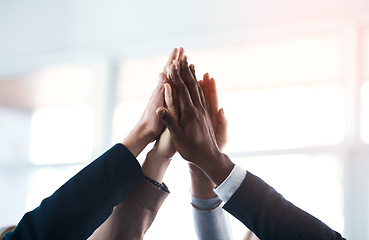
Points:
(149, 127)
(158, 159)
(190, 125)
(202, 186)
(220, 123)
(164, 146)
(176, 54)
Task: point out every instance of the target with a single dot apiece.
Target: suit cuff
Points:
(230, 185)
(205, 203)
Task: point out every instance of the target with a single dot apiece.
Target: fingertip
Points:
(201, 82)
(175, 51)
(180, 52)
(221, 116)
(212, 85)
(192, 70)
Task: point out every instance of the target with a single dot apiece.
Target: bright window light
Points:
(46, 181)
(126, 116)
(312, 59)
(280, 118)
(62, 134)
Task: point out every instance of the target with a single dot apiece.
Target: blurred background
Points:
(293, 78)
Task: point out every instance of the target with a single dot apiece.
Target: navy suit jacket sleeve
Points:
(265, 212)
(83, 203)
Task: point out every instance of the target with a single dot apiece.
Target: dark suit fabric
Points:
(265, 212)
(83, 203)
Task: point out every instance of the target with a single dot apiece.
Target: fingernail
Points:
(162, 113)
(221, 111)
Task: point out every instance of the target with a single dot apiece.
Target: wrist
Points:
(155, 156)
(218, 168)
(155, 166)
(136, 140)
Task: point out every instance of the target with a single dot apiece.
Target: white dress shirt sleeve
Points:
(230, 185)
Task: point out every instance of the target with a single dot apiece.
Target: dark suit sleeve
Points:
(83, 203)
(265, 212)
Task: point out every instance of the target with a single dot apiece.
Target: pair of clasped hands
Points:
(183, 115)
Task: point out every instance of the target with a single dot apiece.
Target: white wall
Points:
(112, 26)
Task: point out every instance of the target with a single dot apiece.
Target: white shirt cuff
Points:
(230, 185)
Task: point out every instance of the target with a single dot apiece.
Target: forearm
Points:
(155, 166)
(217, 167)
(265, 212)
(201, 186)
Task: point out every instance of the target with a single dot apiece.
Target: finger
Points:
(181, 90)
(192, 68)
(202, 96)
(173, 55)
(201, 82)
(205, 88)
(180, 53)
(169, 120)
(222, 120)
(190, 81)
(222, 129)
(212, 96)
(159, 90)
(168, 97)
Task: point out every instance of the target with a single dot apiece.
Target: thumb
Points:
(222, 120)
(222, 129)
(167, 118)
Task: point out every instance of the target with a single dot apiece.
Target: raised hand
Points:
(190, 125)
(202, 186)
(158, 159)
(220, 124)
(149, 127)
(176, 54)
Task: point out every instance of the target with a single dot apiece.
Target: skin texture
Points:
(190, 125)
(149, 127)
(158, 159)
(201, 186)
